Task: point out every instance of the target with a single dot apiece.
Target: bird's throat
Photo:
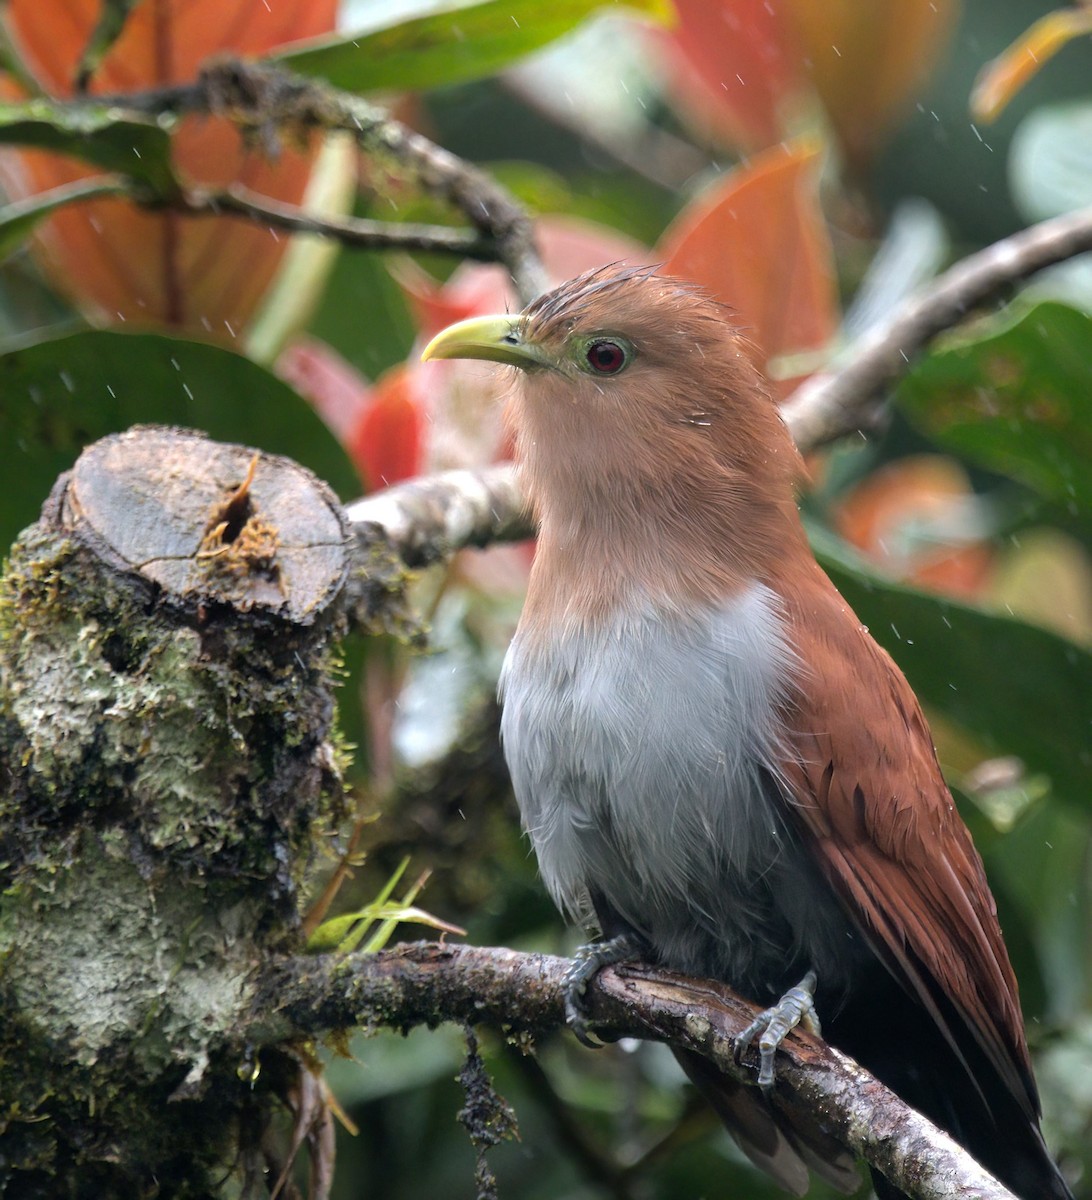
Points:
(670, 551)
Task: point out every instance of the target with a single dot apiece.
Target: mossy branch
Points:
(520, 995)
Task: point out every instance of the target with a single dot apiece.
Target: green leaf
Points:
(1016, 400)
(1021, 689)
(61, 394)
(17, 220)
(104, 135)
(108, 28)
(343, 933)
(462, 41)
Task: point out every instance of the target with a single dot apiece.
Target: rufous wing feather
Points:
(866, 786)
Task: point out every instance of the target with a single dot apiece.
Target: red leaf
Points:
(910, 517)
(385, 444)
(756, 240)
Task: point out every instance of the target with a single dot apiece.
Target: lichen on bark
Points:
(166, 763)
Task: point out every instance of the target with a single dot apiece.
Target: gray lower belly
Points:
(759, 931)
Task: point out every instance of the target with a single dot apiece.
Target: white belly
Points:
(644, 759)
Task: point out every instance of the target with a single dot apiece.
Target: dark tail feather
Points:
(781, 1150)
(891, 1035)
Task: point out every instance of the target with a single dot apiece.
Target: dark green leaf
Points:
(1021, 689)
(103, 135)
(111, 22)
(359, 281)
(1017, 400)
(465, 41)
(1040, 866)
(17, 220)
(60, 395)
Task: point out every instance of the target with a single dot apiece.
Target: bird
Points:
(717, 766)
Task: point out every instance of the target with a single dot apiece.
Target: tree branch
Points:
(516, 993)
(829, 405)
(426, 520)
(266, 101)
(349, 231)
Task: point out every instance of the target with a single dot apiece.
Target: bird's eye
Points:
(606, 357)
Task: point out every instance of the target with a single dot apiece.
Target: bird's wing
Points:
(865, 782)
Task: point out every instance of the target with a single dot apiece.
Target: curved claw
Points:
(586, 963)
(796, 1007)
(575, 1020)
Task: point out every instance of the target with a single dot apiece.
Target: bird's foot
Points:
(586, 963)
(796, 1007)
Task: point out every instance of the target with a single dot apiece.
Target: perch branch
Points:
(519, 993)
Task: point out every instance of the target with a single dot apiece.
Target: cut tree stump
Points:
(168, 656)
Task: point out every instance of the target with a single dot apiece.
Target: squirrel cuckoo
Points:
(712, 756)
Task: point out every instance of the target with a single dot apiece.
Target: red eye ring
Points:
(606, 357)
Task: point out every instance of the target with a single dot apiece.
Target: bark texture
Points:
(167, 757)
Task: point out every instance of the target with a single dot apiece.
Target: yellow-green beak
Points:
(497, 339)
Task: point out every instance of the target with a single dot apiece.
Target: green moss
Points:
(379, 593)
(164, 769)
(202, 735)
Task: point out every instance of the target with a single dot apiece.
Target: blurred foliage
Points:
(792, 158)
(462, 41)
(1015, 401)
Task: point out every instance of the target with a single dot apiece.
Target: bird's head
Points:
(635, 398)
(597, 327)
(624, 354)
(613, 333)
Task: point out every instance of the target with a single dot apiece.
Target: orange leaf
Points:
(385, 445)
(866, 60)
(748, 71)
(914, 518)
(757, 241)
(205, 276)
(733, 68)
(1002, 78)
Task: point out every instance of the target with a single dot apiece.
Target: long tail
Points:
(890, 1034)
(767, 1138)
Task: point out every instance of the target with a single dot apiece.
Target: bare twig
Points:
(349, 231)
(268, 101)
(830, 405)
(520, 993)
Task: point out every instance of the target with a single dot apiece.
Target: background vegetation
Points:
(812, 164)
